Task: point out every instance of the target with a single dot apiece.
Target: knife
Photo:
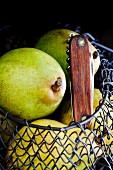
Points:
(82, 77)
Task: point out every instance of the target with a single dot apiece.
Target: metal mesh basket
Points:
(25, 145)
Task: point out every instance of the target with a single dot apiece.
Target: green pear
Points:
(37, 148)
(32, 83)
(55, 42)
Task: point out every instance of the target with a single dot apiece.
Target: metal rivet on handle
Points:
(81, 42)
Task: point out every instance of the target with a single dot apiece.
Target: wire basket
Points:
(25, 145)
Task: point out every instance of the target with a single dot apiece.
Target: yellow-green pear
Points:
(32, 83)
(55, 42)
(36, 148)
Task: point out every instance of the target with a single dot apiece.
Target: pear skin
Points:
(32, 83)
(41, 148)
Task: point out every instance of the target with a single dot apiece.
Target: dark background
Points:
(22, 23)
(36, 17)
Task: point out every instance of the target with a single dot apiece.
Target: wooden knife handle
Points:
(82, 77)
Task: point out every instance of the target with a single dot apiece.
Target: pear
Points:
(55, 42)
(38, 148)
(66, 116)
(32, 83)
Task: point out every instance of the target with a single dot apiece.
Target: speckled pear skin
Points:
(26, 79)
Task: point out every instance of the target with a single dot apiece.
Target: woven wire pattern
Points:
(50, 149)
(29, 146)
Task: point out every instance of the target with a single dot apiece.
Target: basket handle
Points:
(82, 77)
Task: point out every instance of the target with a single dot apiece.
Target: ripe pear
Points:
(36, 148)
(66, 116)
(32, 83)
(55, 42)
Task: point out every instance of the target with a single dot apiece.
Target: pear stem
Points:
(56, 86)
